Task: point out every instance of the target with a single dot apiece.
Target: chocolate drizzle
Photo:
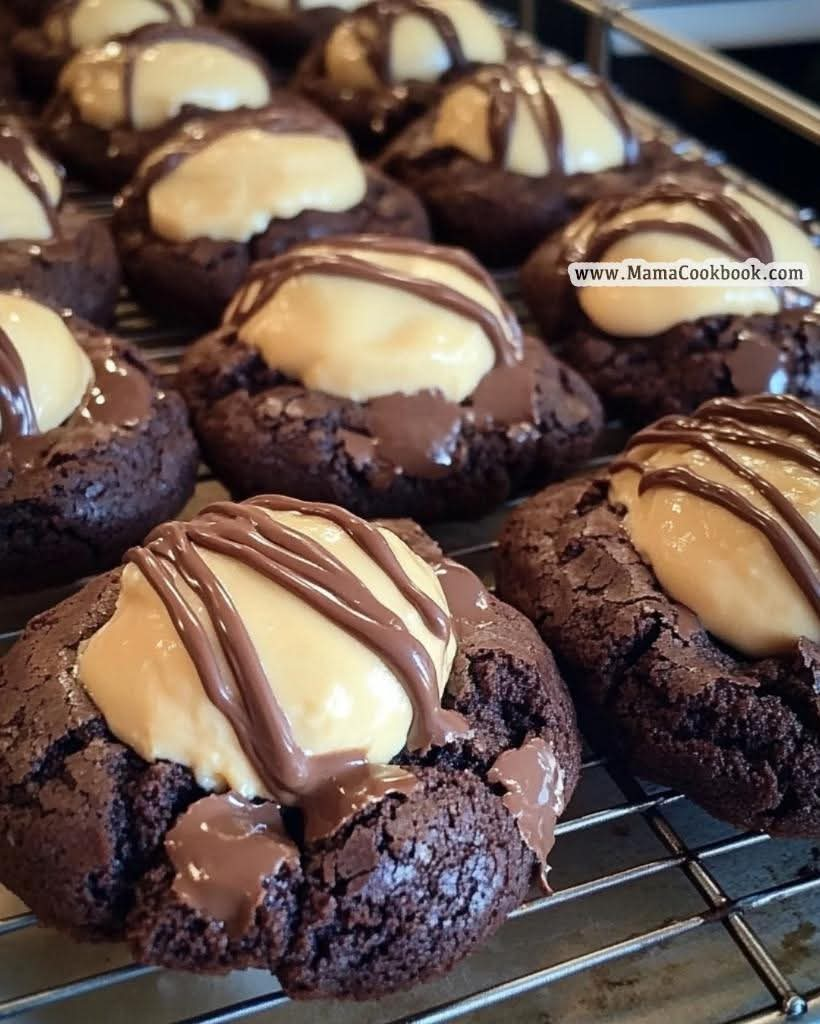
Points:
(13, 154)
(142, 39)
(589, 239)
(777, 425)
(61, 13)
(534, 783)
(120, 396)
(748, 239)
(296, 117)
(17, 416)
(467, 597)
(231, 671)
(374, 26)
(269, 276)
(224, 849)
(529, 82)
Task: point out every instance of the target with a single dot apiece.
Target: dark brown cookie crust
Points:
(741, 737)
(281, 36)
(37, 61)
(197, 279)
(108, 159)
(82, 821)
(262, 432)
(78, 510)
(640, 380)
(28, 12)
(496, 214)
(374, 118)
(79, 270)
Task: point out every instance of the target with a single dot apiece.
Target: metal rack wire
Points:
(659, 912)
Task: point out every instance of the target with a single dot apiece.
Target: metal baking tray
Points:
(660, 913)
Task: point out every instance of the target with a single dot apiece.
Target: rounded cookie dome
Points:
(220, 621)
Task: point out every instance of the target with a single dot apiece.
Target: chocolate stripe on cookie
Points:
(748, 239)
(528, 82)
(61, 13)
(16, 407)
(155, 35)
(374, 32)
(504, 333)
(13, 154)
(307, 570)
(734, 421)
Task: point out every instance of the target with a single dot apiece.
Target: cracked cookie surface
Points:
(740, 736)
(83, 821)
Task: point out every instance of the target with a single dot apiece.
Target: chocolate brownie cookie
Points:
(386, 375)
(387, 62)
(654, 350)
(178, 786)
(40, 51)
(48, 248)
(92, 452)
(680, 591)
(242, 187)
(511, 153)
(282, 29)
(26, 12)
(116, 103)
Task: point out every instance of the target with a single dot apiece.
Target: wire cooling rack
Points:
(659, 913)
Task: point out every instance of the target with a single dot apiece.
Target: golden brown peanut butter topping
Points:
(724, 505)
(536, 120)
(272, 645)
(81, 23)
(398, 41)
(147, 80)
(675, 220)
(368, 316)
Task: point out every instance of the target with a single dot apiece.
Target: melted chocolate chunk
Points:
(224, 848)
(758, 365)
(344, 796)
(467, 597)
(535, 794)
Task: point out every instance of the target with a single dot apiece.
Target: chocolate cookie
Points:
(386, 375)
(92, 452)
(282, 33)
(40, 51)
(652, 350)
(27, 12)
(164, 76)
(48, 248)
(242, 187)
(376, 72)
(511, 153)
(680, 593)
(443, 748)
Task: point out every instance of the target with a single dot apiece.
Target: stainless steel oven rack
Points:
(659, 912)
